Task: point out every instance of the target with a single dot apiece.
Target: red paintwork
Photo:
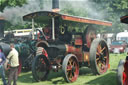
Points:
(72, 69)
(44, 52)
(20, 67)
(85, 20)
(125, 74)
(78, 41)
(77, 51)
(76, 73)
(41, 14)
(103, 68)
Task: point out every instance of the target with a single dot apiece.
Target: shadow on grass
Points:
(53, 74)
(107, 79)
(59, 75)
(85, 71)
(26, 77)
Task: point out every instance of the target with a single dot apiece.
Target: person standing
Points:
(2, 61)
(13, 57)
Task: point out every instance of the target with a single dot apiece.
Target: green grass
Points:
(85, 77)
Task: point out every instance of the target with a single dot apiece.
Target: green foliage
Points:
(115, 9)
(111, 9)
(11, 3)
(9, 26)
(16, 2)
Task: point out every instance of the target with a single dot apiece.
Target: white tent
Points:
(122, 36)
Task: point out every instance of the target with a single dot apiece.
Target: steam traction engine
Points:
(68, 50)
(122, 73)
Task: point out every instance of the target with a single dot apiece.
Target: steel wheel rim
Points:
(72, 69)
(102, 58)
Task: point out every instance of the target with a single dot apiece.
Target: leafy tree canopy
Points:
(11, 3)
(112, 10)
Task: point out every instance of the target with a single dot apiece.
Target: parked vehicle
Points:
(68, 50)
(122, 36)
(118, 47)
(122, 73)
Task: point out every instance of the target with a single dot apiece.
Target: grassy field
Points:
(85, 77)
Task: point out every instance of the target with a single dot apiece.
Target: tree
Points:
(115, 9)
(11, 3)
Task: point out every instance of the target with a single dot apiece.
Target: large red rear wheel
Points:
(70, 68)
(99, 56)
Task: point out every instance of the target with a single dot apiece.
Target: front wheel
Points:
(40, 68)
(70, 68)
(99, 56)
(40, 65)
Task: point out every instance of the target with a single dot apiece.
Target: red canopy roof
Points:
(48, 14)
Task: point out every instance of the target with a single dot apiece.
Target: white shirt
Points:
(13, 57)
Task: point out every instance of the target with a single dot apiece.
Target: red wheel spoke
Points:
(70, 75)
(105, 57)
(98, 63)
(70, 62)
(69, 67)
(42, 61)
(97, 54)
(99, 48)
(103, 66)
(102, 49)
(97, 59)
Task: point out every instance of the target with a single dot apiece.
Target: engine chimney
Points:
(55, 6)
(2, 27)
